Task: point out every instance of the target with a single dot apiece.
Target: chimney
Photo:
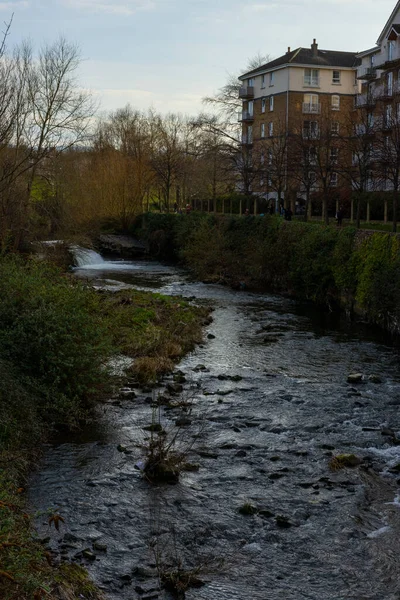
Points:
(314, 48)
(288, 50)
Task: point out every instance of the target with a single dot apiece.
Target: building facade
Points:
(295, 110)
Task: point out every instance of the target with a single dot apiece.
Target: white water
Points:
(85, 257)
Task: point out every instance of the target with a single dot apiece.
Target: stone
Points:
(283, 522)
(211, 336)
(374, 379)
(183, 422)
(100, 547)
(355, 378)
(200, 367)
(88, 554)
(174, 388)
(127, 393)
(148, 587)
(241, 453)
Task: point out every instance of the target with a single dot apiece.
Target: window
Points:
(270, 157)
(262, 82)
(311, 103)
(271, 78)
(270, 129)
(390, 49)
(334, 154)
(355, 159)
(370, 120)
(263, 104)
(335, 127)
(389, 84)
(250, 108)
(398, 112)
(387, 121)
(310, 129)
(250, 134)
(311, 77)
(335, 76)
(335, 102)
(312, 155)
(334, 180)
(250, 82)
(262, 158)
(271, 103)
(263, 130)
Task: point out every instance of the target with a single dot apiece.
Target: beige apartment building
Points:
(308, 93)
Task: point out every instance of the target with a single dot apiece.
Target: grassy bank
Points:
(327, 265)
(56, 340)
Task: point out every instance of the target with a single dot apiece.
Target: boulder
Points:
(355, 378)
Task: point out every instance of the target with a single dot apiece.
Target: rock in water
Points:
(355, 378)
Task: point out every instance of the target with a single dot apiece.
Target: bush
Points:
(51, 328)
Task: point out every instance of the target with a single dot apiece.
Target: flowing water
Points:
(265, 439)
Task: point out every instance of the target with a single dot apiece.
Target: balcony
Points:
(245, 116)
(367, 73)
(246, 92)
(387, 124)
(311, 109)
(364, 101)
(247, 139)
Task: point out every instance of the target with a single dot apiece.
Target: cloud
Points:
(129, 7)
(14, 5)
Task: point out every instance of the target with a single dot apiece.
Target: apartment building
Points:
(302, 92)
(379, 72)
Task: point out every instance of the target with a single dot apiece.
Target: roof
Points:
(396, 27)
(304, 56)
(373, 50)
(388, 23)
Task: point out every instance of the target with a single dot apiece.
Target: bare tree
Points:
(46, 113)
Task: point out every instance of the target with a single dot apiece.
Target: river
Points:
(269, 405)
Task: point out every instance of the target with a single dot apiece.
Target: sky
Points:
(169, 54)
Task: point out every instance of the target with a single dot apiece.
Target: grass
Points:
(154, 329)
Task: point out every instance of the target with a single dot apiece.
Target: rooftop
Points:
(309, 56)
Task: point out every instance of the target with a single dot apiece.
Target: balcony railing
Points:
(367, 73)
(245, 115)
(362, 100)
(246, 92)
(309, 108)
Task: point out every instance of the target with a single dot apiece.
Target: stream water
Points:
(265, 439)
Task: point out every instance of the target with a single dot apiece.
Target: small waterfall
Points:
(84, 257)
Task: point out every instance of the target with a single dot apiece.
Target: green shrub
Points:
(51, 329)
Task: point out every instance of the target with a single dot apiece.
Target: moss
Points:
(341, 461)
(310, 261)
(248, 509)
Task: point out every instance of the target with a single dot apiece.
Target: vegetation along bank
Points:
(344, 268)
(57, 342)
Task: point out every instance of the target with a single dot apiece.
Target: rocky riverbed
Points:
(260, 410)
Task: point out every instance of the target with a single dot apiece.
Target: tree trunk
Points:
(394, 221)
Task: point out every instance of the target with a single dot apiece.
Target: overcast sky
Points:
(168, 54)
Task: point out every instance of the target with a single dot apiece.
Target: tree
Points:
(44, 113)
(226, 101)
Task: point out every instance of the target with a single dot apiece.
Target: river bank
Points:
(60, 342)
(339, 268)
